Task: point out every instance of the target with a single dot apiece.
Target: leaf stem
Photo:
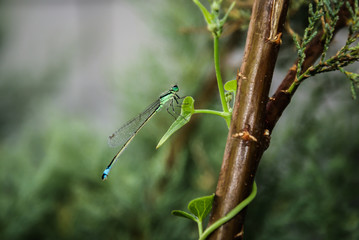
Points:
(208, 111)
(200, 228)
(226, 115)
(231, 214)
(218, 73)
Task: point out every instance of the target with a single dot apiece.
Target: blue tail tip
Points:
(105, 174)
(104, 177)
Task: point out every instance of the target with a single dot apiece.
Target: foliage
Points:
(326, 12)
(186, 113)
(201, 207)
(307, 176)
(214, 25)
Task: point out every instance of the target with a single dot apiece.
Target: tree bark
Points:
(247, 138)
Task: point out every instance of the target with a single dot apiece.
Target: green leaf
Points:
(187, 106)
(224, 19)
(207, 15)
(231, 214)
(187, 109)
(231, 86)
(201, 207)
(184, 214)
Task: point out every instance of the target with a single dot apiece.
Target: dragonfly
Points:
(125, 134)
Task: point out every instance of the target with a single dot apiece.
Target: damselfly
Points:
(124, 135)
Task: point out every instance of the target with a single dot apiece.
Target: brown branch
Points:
(242, 154)
(280, 99)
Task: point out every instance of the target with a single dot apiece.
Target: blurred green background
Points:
(71, 72)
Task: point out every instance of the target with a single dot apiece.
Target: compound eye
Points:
(175, 88)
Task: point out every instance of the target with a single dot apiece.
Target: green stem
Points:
(226, 115)
(207, 111)
(231, 214)
(218, 73)
(291, 87)
(300, 79)
(200, 228)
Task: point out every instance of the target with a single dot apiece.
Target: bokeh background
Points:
(71, 72)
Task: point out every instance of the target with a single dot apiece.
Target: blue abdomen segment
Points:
(105, 173)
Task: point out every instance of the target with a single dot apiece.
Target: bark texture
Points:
(247, 140)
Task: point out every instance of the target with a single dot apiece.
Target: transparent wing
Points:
(129, 129)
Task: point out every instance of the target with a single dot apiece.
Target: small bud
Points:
(215, 6)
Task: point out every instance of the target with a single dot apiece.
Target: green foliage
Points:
(214, 23)
(201, 207)
(231, 86)
(354, 23)
(187, 109)
(42, 194)
(231, 89)
(309, 173)
(327, 12)
(309, 33)
(51, 186)
(354, 81)
(331, 14)
(184, 214)
(33, 91)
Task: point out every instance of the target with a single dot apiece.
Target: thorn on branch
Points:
(240, 76)
(239, 235)
(245, 135)
(285, 92)
(266, 133)
(277, 39)
(293, 68)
